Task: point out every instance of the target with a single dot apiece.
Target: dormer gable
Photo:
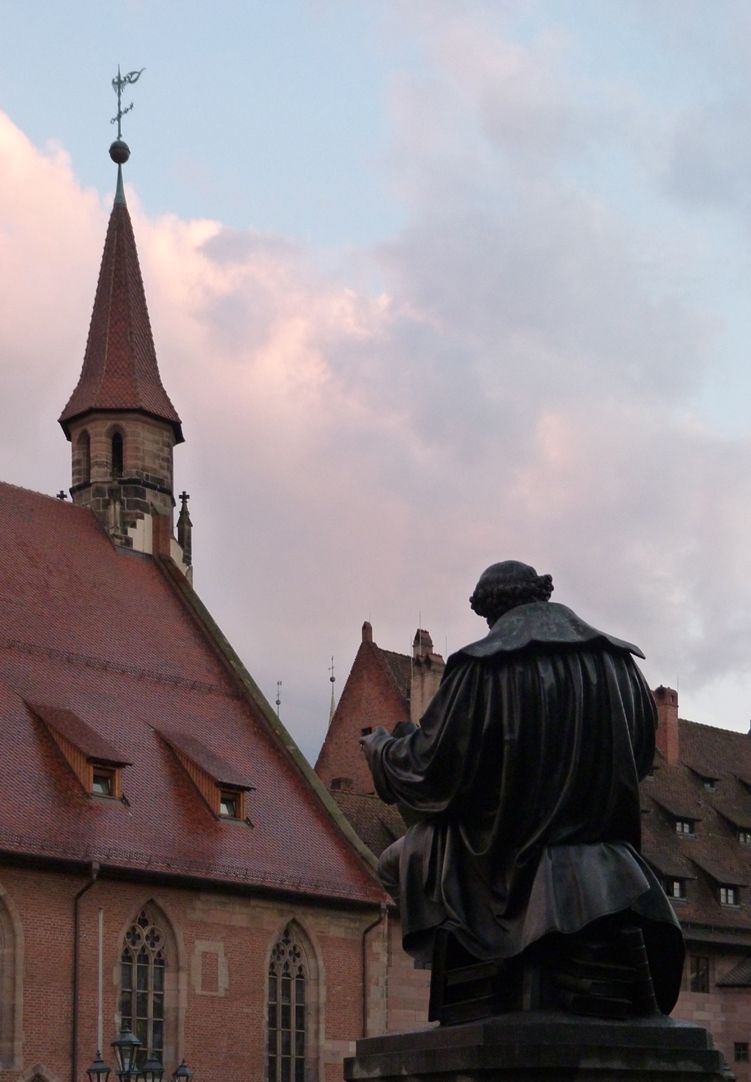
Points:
(96, 763)
(219, 783)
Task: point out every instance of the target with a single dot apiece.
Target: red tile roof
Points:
(216, 767)
(120, 370)
(102, 631)
(93, 746)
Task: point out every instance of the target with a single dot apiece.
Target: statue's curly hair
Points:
(505, 585)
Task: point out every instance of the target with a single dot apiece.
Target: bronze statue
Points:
(521, 873)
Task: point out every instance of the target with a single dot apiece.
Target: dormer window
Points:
(710, 784)
(104, 780)
(231, 804)
(729, 895)
(675, 888)
(220, 783)
(684, 826)
(96, 763)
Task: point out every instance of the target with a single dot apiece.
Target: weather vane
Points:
(117, 85)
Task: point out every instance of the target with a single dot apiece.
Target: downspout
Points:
(370, 927)
(76, 969)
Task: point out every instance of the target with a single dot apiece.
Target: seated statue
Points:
(522, 787)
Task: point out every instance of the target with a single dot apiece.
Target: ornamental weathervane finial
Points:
(117, 85)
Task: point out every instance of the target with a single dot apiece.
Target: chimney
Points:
(367, 632)
(422, 645)
(667, 723)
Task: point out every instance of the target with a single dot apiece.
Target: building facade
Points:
(696, 820)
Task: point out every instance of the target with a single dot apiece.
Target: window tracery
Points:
(143, 964)
(288, 1021)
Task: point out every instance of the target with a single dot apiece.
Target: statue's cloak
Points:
(522, 786)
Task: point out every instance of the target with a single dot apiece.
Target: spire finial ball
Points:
(119, 152)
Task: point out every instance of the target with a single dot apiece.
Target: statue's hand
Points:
(377, 736)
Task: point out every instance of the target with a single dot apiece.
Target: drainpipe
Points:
(370, 927)
(94, 872)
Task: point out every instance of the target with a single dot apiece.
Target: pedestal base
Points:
(542, 1047)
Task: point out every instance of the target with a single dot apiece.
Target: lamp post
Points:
(98, 1071)
(151, 1070)
(182, 1073)
(126, 1052)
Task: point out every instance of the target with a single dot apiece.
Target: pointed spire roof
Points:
(120, 370)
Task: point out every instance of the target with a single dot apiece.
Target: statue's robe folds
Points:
(522, 786)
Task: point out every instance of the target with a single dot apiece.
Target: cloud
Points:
(526, 382)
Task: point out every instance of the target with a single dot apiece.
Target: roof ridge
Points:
(42, 495)
(713, 728)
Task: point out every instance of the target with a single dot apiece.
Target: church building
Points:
(172, 872)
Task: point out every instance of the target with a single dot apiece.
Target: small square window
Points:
(229, 805)
(103, 781)
(684, 826)
(744, 837)
(675, 888)
(728, 895)
(741, 1051)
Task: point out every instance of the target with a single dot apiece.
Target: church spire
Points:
(120, 370)
(119, 419)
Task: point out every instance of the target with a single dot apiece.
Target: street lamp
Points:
(182, 1073)
(98, 1071)
(151, 1070)
(126, 1051)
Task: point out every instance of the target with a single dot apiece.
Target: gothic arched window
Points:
(142, 985)
(117, 455)
(289, 1011)
(10, 987)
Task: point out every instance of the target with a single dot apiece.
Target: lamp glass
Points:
(126, 1050)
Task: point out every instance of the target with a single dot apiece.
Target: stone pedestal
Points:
(542, 1047)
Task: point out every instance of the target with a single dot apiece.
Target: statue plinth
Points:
(543, 1046)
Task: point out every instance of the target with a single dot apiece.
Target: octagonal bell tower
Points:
(120, 421)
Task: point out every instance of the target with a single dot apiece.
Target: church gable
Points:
(118, 645)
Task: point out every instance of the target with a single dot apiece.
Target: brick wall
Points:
(218, 945)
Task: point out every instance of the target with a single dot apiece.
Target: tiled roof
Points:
(378, 824)
(739, 976)
(719, 808)
(120, 370)
(101, 631)
(93, 746)
(219, 769)
(400, 668)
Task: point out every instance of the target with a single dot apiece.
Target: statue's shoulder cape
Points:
(542, 623)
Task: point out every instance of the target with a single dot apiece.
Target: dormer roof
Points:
(120, 371)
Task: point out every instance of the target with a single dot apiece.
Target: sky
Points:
(433, 283)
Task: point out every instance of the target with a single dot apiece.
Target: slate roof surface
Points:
(120, 370)
(101, 631)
